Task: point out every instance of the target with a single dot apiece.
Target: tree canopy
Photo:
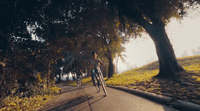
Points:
(77, 25)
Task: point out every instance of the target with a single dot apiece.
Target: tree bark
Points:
(168, 64)
(48, 77)
(3, 70)
(73, 77)
(59, 78)
(111, 66)
(116, 68)
(88, 70)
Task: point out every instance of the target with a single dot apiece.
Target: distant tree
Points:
(184, 54)
(198, 51)
(194, 52)
(121, 56)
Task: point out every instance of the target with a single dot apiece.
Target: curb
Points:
(177, 104)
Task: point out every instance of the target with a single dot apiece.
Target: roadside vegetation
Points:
(32, 103)
(85, 81)
(184, 86)
(146, 73)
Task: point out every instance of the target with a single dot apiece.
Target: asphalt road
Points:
(86, 98)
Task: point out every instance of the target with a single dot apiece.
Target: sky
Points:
(184, 36)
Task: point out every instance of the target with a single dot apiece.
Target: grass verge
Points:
(186, 87)
(85, 81)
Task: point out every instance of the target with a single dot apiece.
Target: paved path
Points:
(86, 98)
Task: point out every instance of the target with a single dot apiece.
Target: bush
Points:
(33, 102)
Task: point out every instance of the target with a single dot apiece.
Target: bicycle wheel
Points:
(79, 83)
(103, 85)
(97, 85)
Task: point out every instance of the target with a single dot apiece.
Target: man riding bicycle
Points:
(95, 66)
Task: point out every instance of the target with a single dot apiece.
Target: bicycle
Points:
(79, 81)
(100, 82)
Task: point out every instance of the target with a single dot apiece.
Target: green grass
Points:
(85, 81)
(146, 73)
(142, 78)
(131, 77)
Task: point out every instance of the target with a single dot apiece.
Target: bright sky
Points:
(184, 36)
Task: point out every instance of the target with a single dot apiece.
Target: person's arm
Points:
(100, 62)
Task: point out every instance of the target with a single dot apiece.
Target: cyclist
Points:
(79, 77)
(95, 66)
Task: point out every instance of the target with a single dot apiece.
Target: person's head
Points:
(94, 55)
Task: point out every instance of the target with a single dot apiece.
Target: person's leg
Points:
(97, 72)
(93, 76)
(81, 78)
(101, 74)
(77, 80)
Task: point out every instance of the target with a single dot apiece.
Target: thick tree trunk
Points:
(111, 66)
(73, 77)
(59, 78)
(116, 68)
(104, 70)
(3, 71)
(48, 76)
(67, 78)
(169, 65)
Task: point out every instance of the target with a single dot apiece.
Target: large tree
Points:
(20, 56)
(110, 43)
(152, 16)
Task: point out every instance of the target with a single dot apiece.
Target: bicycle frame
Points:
(101, 81)
(79, 81)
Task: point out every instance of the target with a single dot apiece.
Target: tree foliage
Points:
(78, 26)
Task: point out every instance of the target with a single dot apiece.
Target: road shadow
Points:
(81, 101)
(101, 97)
(71, 88)
(166, 108)
(68, 104)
